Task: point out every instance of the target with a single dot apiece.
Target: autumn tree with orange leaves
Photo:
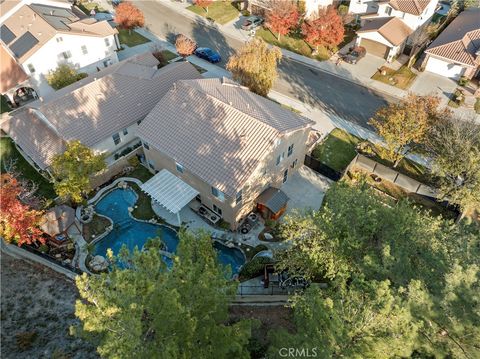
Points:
(184, 45)
(282, 17)
(128, 16)
(326, 29)
(18, 222)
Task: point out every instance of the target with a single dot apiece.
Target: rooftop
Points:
(392, 29)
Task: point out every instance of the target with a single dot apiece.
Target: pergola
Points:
(169, 191)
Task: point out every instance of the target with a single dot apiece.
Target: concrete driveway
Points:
(306, 189)
(428, 83)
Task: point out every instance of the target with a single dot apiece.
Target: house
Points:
(41, 36)
(456, 51)
(259, 7)
(103, 110)
(222, 145)
(390, 28)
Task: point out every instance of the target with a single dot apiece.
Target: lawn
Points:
(97, 226)
(169, 55)
(477, 106)
(143, 207)
(292, 43)
(457, 99)
(401, 78)
(132, 38)
(4, 107)
(337, 150)
(86, 7)
(8, 151)
(141, 173)
(219, 11)
(350, 34)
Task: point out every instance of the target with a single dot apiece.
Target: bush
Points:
(43, 248)
(254, 268)
(157, 52)
(258, 249)
(133, 161)
(343, 10)
(63, 76)
(463, 81)
(224, 225)
(25, 340)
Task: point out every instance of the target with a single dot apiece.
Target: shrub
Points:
(25, 340)
(258, 249)
(43, 248)
(224, 224)
(63, 75)
(463, 81)
(343, 10)
(133, 161)
(157, 52)
(254, 268)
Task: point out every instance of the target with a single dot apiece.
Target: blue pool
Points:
(133, 233)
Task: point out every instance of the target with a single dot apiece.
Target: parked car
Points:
(252, 22)
(208, 54)
(355, 55)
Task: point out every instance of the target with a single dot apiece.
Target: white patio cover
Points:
(169, 191)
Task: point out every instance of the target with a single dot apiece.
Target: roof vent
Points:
(230, 102)
(184, 104)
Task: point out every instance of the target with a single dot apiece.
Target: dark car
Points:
(252, 22)
(355, 55)
(208, 54)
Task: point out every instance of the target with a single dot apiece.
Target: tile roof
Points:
(94, 108)
(393, 29)
(43, 22)
(414, 7)
(217, 129)
(460, 41)
(11, 73)
(57, 220)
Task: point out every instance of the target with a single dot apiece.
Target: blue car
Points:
(208, 54)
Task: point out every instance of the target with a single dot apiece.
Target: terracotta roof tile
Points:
(393, 29)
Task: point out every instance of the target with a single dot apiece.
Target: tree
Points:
(255, 66)
(158, 53)
(18, 222)
(454, 145)
(63, 75)
(185, 46)
(128, 16)
(282, 17)
(367, 319)
(203, 3)
(326, 29)
(73, 168)
(404, 125)
(147, 311)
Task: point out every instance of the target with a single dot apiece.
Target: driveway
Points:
(306, 190)
(428, 83)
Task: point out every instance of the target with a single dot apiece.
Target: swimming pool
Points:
(133, 233)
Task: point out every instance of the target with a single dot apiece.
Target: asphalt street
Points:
(320, 89)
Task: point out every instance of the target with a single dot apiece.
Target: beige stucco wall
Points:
(267, 174)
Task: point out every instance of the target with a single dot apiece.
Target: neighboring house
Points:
(388, 27)
(40, 37)
(226, 145)
(456, 51)
(259, 7)
(103, 110)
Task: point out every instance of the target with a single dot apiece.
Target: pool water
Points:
(132, 233)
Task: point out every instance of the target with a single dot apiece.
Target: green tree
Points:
(147, 311)
(454, 145)
(367, 319)
(73, 168)
(404, 125)
(255, 66)
(64, 75)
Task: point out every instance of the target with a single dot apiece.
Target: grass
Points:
(4, 107)
(293, 43)
(477, 106)
(199, 69)
(97, 226)
(337, 150)
(401, 78)
(169, 55)
(141, 173)
(219, 11)
(27, 171)
(86, 7)
(143, 207)
(348, 37)
(132, 38)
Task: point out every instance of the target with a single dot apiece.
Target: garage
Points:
(444, 68)
(375, 48)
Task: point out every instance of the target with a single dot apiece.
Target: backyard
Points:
(97, 226)
(401, 78)
(219, 11)
(131, 38)
(8, 151)
(87, 6)
(4, 107)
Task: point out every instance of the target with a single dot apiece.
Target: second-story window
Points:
(218, 194)
(388, 10)
(116, 139)
(59, 39)
(125, 131)
(84, 49)
(145, 144)
(280, 158)
(290, 150)
(66, 55)
(107, 42)
(31, 68)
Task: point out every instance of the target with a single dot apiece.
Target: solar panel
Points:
(6, 35)
(23, 44)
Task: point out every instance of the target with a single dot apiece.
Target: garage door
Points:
(444, 68)
(375, 48)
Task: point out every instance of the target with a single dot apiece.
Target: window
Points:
(139, 122)
(388, 10)
(107, 42)
(150, 164)
(125, 131)
(218, 194)
(294, 163)
(66, 55)
(146, 145)
(285, 175)
(238, 198)
(280, 158)
(59, 39)
(31, 68)
(290, 150)
(116, 139)
(179, 167)
(218, 210)
(84, 50)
